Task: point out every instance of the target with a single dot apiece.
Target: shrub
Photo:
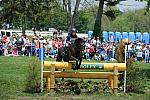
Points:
(74, 87)
(32, 83)
(135, 77)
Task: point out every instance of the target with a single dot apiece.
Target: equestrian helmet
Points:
(73, 30)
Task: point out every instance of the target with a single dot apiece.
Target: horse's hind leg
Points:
(74, 66)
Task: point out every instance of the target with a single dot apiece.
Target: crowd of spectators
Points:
(16, 45)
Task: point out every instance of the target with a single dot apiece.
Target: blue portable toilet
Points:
(124, 35)
(105, 36)
(118, 36)
(138, 36)
(90, 34)
(131, 36)
(111, 36)
(145, 38)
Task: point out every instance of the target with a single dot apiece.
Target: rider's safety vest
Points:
(72, 40)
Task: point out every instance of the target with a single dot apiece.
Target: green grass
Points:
(13, 72)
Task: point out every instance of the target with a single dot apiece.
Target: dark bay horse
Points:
(73, 52)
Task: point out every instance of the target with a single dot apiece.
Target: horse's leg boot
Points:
(74, 66)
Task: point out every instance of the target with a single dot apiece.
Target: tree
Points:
(97, 32)
(71, 21)
(8, 11)
(97, 27)
(27, 14)
(135, 21)
(82, 21)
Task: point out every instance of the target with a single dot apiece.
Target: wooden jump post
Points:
(112, 76)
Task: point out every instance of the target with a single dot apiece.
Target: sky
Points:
(130, 5)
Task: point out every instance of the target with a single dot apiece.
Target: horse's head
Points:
(79, 42)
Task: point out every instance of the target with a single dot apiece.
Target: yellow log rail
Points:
(112, 76)
(103, 66)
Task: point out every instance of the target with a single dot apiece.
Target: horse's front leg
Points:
(74, 66)
(73, 58)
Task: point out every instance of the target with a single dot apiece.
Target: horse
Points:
(72, 52)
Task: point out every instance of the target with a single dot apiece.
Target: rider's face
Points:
(74, 33)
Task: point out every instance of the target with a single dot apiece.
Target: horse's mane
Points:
(78, 40)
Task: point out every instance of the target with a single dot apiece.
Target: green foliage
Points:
(31, 13)
(97, 29)
(112, 14)
(42, 14)
(58, 19)
(33, 77)
(136, 21)
(85, 18)
(71, 86)
(13, 75)
(82, 20)
(112, 2)
(136, 79)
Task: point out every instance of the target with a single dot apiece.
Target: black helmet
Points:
(73, 30)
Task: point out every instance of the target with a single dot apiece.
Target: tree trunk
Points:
(72, 17)
(23, 25)
(65, 4)
(69, 14)
(97, 32)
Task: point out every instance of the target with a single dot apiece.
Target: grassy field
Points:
(13, 72)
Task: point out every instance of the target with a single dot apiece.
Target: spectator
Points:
(23, 49)
(55, 34)
(50, 42)
(87, 53)
(54, 42)
(59, 43)
(54, 52)
(0, 36)
(6, 51)
(15, 51)
(1, 51)
(60, 34)
(4, 39)
(139, 55)
(92, 51)
(147, 56)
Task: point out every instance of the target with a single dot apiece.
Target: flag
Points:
(41, 53)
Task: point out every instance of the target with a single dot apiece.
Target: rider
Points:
(72, 36)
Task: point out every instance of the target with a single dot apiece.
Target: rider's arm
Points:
(68, 38)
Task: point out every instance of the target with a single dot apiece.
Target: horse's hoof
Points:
(74, 69)
(74, 66)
